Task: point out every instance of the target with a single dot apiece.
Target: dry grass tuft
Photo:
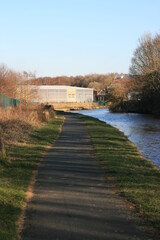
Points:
(17, 123)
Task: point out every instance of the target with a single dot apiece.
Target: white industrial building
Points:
(49, 93)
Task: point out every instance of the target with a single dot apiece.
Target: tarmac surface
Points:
(72, 198)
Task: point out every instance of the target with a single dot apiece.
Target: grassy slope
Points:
(137, 178)
(15, 176)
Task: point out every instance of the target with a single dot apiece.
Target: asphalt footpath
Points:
(72, 198)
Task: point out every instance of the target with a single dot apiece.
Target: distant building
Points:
(119, 77)
(49, 93)
(102, 95)
(134, 96)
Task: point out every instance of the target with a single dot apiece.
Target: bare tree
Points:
(8, 81)
(146, 57)
(16, 85)
(25, 91)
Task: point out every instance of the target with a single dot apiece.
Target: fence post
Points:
(2, 146)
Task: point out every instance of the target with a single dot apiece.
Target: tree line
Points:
(19, 84)
(96, 81)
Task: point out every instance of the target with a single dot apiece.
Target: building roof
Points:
(45, 87)
(101, 93)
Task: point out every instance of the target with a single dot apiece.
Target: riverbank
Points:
(135, 107)
(136, 177)
(76, 106)
(16, 173)
(143, 130)
(72, 199)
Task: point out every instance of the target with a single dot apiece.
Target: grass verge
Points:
(136, 177)
(15, 175)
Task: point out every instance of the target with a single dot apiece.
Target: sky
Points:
(74, 37)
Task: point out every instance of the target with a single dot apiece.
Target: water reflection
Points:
(142, 130)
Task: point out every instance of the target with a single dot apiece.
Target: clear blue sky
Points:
(72, 37)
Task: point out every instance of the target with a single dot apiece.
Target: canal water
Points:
(142, 130)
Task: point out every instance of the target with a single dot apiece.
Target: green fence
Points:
(8, 102)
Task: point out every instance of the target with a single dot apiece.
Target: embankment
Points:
(143, 107)
(136, 177)
(75, 106)
(25, 149)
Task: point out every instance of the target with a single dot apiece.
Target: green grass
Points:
(15, 175)
(136, 177)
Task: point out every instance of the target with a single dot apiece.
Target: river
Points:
(142, 130)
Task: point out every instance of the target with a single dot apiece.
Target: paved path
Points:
(72, 200)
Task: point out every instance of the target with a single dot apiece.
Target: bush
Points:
(17, 123)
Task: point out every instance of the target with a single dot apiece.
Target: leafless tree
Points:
(8, 81)
(16, 85)
(146, 58)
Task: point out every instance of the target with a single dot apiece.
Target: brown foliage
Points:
(63, 80)
(8, 81)
(16, 123)
(15, 85)
(119, 89)
(96, 81)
